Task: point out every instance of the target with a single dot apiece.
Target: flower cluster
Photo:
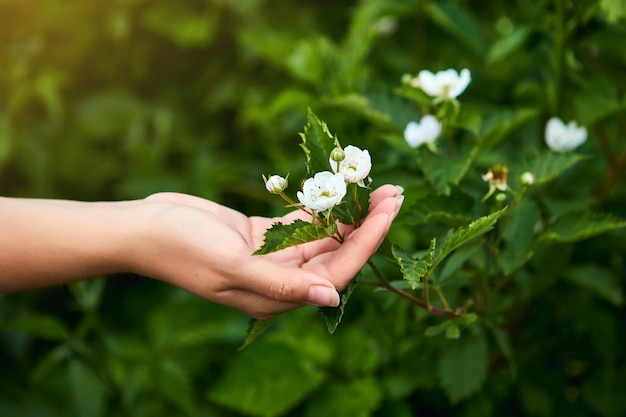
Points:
(327, 189)
(444, 87)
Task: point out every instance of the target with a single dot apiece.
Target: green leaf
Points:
(332, 315)
(573, 227)
(452, 209)
(464, 234)
(548, 165)
(355, 205)
(599, 281)
(463, 368)
(518, 236)
(499, 124)
(39, 325)
(266, 380)
(442, 171)
(508, 45)
(453, 331)
(255, 329)
(87, 393)
(281, 236)
(458, 23)
(413, 270)
(615, 9)
(357, 398)
(317, 142)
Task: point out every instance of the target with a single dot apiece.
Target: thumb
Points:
(288, 284)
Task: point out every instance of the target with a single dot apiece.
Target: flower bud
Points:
(527, 178)
(337, 155)
(500, 197)
(275, 184)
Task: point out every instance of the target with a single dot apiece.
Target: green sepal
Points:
(281, 236)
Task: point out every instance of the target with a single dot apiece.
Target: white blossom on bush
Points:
(275, 184)
(322, 192)
(426, 131)
(443, 85)
(561, 137)
(355, 167)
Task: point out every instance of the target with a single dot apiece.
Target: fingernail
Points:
(400, 200)
(323, 296)
(400, 189)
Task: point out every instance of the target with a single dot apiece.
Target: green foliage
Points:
(509, 306)
(282, 236)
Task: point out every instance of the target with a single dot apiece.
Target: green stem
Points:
(387, 285)
(442, 297)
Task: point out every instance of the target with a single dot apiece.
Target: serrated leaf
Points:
(441, 171)
(548, 165)
(518, 236)
(573, 227)
(255, 329)
(317, 143)
(599, 281)
(281, 377)
(413, 270)
(464, 234)
(451, 209)
(500, 124)
(281, 236)
(463, 367)
(332, 315)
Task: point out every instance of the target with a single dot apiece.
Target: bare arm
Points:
(190, 242)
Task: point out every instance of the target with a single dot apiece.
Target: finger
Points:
(286, 284)
(350, 257)
(383, 192)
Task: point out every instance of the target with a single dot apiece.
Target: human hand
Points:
(208, 249)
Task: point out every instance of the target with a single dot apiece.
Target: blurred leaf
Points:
(508, 45)
(452, 209)
(181, 24)
(355, 205)
(332, 315)
(442, 171)
(518, 236)
(578, 226)
(499, 124)
(599, 281)
(318, 143)
(458, 23)
(546, 166)
(109, 114)
(86, 390)
(39, 325)
(463, 367)
(614, 9)
(358, 398)
(281, 378)
(593, 107)
(281, 236)
(603, 392)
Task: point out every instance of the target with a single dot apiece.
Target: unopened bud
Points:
(500, 197)
(337, 155)
(275, 184)
(527, 178)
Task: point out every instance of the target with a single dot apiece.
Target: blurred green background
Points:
(120, 99)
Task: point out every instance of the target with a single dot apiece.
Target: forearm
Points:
(49, 242)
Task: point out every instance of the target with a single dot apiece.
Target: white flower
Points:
(527, 178)
(355, 167)
(426, 131)
(275, 184)
(563, 138)
(446, 84)
(322, 192)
